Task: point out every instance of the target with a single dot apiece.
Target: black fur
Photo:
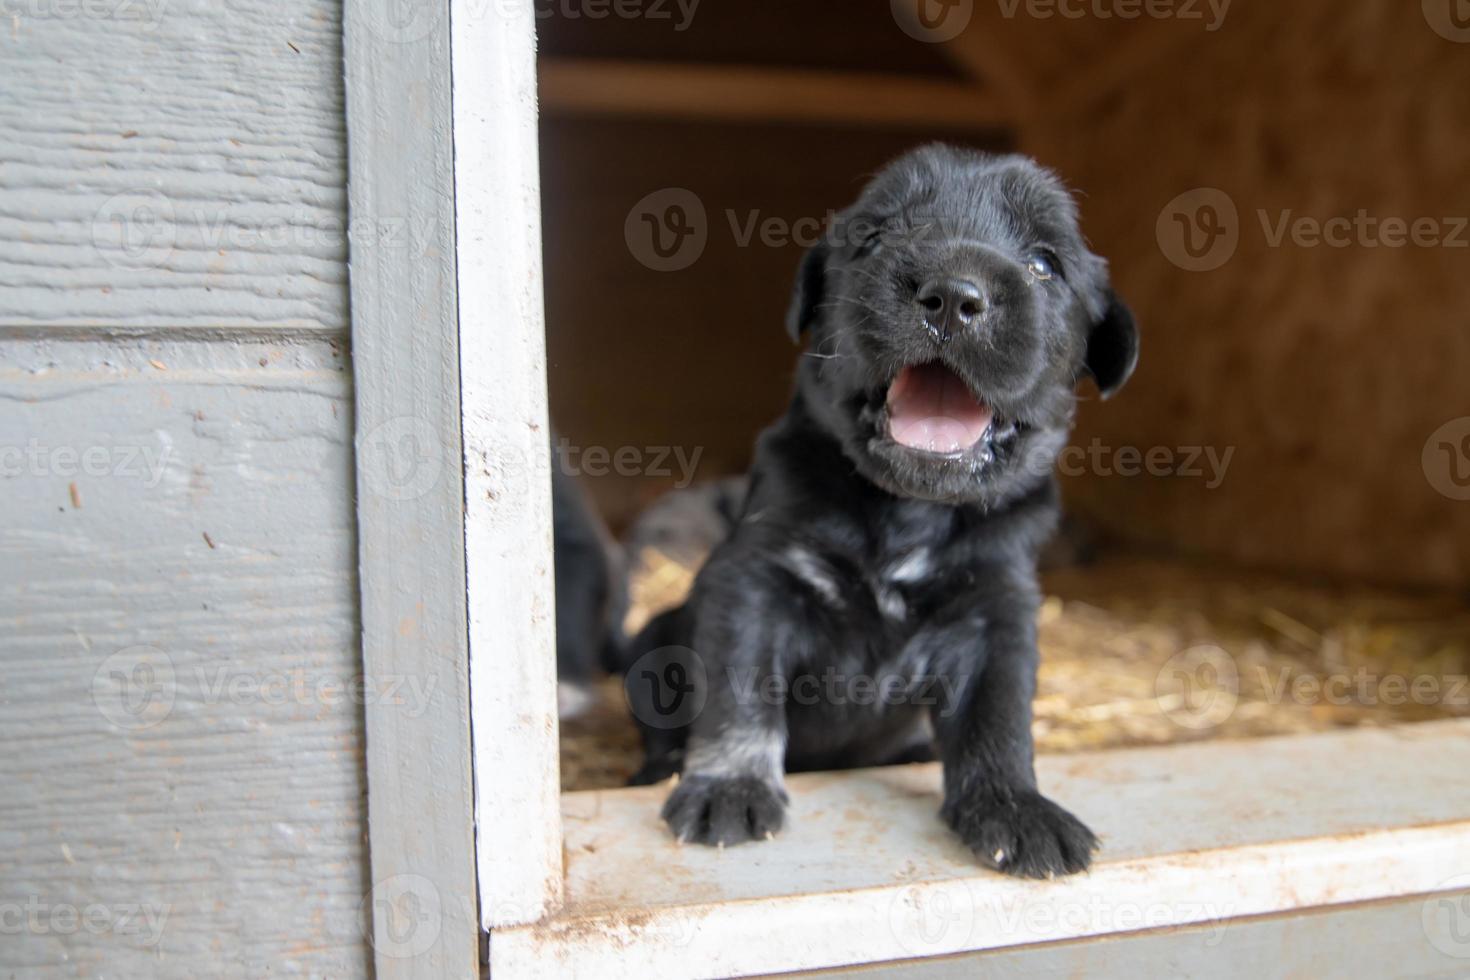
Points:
(591, 592)
(859, 559)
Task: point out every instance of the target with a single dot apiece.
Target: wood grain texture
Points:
(604, 87)
(410, 503)
(1328, 369)
(507, 475)
(172, 164)
(865, 871)
(184, 509)
(1393, 938)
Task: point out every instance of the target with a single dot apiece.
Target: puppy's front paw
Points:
(1022, 833)
(724, 810)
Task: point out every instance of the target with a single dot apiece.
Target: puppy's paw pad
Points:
(720, 811)
(1023, 834)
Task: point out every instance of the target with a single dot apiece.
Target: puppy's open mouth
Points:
(931, 409)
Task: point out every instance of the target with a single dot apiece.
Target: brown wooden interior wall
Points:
(1324, 369)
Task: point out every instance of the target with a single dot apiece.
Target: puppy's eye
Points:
(1042, 265)
(871, 239)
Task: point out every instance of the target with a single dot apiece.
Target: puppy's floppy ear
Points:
(1112, 347)
(811, 287)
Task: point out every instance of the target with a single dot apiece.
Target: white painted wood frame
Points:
(453, 475)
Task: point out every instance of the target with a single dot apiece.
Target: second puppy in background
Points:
(895, 513)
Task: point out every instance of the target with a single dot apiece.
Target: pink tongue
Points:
(931, 409)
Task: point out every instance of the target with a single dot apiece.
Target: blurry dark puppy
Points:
(591, 594)
(878, 597)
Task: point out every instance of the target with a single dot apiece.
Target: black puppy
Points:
(878, 596)
(591, 594)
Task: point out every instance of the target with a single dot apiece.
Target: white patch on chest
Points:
(814, 572)
(912, 567)
(891, 603)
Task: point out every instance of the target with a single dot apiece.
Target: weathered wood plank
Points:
(866, 871)
(167, 164)
(1420, 936)
(177, 626)
(411, 489)
(507, 473)
(600, 87)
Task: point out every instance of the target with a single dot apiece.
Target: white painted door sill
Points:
(865, 872)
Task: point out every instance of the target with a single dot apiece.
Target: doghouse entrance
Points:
(1142, 650)
(1237, 566)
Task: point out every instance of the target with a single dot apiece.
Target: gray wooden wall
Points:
(181, 748)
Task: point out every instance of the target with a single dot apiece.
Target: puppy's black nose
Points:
(950, 305)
